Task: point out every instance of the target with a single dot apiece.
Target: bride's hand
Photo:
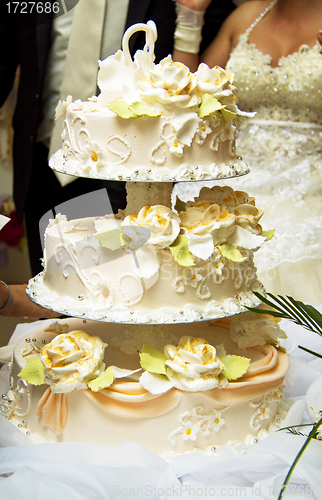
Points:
(319, 37)
(199, 5)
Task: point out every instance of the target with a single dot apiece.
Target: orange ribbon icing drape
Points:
(53, 410)
(131, 400)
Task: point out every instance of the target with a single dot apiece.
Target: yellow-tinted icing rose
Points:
(161, 221)
(71, 360)
(193, 365)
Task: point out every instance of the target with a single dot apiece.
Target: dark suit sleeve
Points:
(162, 12)
(9, 51)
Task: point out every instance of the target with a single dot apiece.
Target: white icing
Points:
(251, 329)
(39, 292)
(131, 339)
(202, 423)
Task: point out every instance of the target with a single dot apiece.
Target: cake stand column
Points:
(141, 194)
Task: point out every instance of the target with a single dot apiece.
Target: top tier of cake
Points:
(152, 122)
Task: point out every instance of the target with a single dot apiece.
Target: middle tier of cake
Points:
(158, 265)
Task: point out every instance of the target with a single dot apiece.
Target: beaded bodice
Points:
(290, 91)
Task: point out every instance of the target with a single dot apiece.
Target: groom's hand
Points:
(200, 5)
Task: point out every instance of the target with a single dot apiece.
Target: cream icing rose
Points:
(170, 84)
(161, 221)
(238, 202)
(212, 80)
(242, 206)
(224, 196)
(248, 216)
(71, 360)
(206, 224)
(193, 365)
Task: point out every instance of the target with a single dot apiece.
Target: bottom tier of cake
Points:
(184, 416)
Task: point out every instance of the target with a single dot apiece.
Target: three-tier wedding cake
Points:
(158, 348)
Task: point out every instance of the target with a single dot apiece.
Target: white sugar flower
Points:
(217, 271)
(92, 156)
(189, 431)
(264, 412)
(103, 293)
(185, 122)
(62, 106)
(203, 131)
(191, 277)
(112, 74)
(175, 146)
(228, 132)
(215, 421)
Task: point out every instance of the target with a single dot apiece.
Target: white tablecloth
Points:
(78, 471)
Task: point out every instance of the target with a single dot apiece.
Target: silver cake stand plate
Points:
(186, 172)
(38, 292)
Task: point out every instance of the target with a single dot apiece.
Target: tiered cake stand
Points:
(144, 187)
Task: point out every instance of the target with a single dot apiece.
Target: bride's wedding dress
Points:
(283, 146)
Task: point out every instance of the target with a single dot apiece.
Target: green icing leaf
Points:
(228, 115)
(208, 105)
(231, 252)
(134, 110)
(235, 366)
(268, 234)
(110, 238)
(152, 360)
(140, 110)
(33, 372)
(103, 381)
(180, 251)
(122, 109)
(180, 205)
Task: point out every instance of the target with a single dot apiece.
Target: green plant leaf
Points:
(228, 115)
(209, 105)
(110, 238)
(231, 252)
(235, 366)
(288, 308)
(268, 234)
(104, 380)
(34, 371)
(312, 435)
(180, 251)
(180, 205)
(152, 360)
